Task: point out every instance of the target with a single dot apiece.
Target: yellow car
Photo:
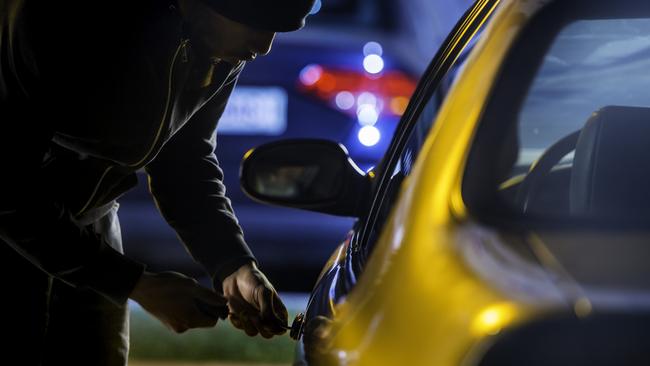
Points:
(509, 221)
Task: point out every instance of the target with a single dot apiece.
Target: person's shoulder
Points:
(117, 18)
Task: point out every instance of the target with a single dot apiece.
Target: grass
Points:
(181, 363)
(150, 340)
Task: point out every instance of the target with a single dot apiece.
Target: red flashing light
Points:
(392, 88)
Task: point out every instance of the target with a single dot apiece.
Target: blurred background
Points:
(347, 77)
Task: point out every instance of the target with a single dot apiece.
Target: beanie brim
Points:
(275, 16)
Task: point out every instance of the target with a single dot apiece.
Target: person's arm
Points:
(187, 184)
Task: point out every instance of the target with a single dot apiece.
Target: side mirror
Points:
(311, 174)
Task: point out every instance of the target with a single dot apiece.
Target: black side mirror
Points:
(311, 174)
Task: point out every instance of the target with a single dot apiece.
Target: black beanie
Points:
(271, 15)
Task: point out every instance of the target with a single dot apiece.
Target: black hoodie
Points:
(89, 95)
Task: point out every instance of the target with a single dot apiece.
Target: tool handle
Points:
(220, 312)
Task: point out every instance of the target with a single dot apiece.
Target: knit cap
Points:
(271, 15)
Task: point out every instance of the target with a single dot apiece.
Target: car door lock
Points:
(296, 326)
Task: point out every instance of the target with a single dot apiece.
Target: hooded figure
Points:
(89, 95)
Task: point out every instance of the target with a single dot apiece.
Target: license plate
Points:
(255, 111)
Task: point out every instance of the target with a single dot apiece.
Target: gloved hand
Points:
(254, 304)
(178, 301)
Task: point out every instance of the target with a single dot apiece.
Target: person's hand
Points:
(254, 304)
(178, 301)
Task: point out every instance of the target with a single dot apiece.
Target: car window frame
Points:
(442, 63)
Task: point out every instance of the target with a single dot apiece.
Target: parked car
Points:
(313, 83)
(508, 222)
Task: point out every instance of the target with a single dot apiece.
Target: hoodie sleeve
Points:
(187, 184)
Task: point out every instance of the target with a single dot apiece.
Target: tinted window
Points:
(409, 151)
(407, 155)
(567, 132)
(591, 64)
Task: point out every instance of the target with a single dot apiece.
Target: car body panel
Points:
(447, 308)
(340, 272)
(422, 279)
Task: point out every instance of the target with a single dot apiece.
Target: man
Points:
(89, 94)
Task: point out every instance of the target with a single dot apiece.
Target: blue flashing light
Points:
(369, 135)
(367, 115)
(372, 48)
(367, 98)
(344, 100)
(310, 74)
(373, 64)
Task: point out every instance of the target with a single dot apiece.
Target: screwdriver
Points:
(222, 312)
(284, 326)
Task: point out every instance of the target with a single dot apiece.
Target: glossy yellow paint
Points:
(493, 318)
(418, 302)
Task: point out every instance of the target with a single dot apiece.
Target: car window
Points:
(590, 65)
(409, 151)
(574, 146)
(593, 78)
(404, 164)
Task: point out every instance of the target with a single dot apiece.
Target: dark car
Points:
(508, 222)
(314, 83)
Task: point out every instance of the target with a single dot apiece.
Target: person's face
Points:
(226, 39)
